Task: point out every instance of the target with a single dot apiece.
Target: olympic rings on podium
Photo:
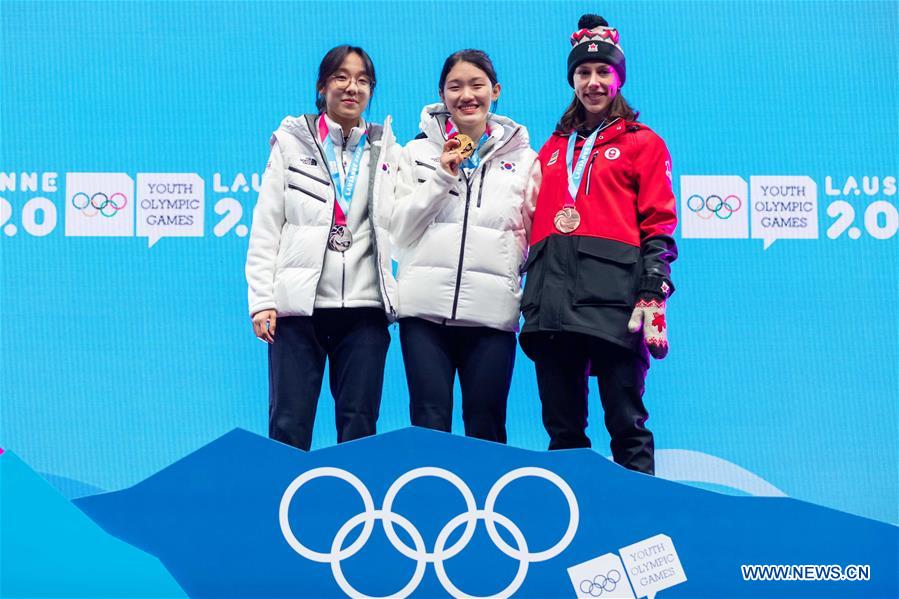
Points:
(419, 552)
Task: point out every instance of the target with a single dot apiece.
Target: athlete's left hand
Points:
(649, 314)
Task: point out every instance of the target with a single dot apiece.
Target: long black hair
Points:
(330, 65)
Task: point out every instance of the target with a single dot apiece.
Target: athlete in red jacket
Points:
(601, 249)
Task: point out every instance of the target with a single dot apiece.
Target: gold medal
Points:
(467, 146)
(567, 219)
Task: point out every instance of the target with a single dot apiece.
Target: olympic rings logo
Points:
(601, 584)
(419, 553)
(91, 206)
(705, 208)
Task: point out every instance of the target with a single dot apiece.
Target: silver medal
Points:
(339, 239)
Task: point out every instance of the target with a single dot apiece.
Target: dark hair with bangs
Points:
(330, 64)
(478, 58)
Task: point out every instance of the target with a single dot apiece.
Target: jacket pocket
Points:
(294, 169)
(607, 272)
(307, 192)
(534, 268)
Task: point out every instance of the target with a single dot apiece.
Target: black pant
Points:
(484, 358)
(564, 362)
(354, 341)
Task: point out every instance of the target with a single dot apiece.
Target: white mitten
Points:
(650, 316)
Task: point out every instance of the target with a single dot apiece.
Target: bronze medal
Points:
(340, 239)
(567, 219)
(466, 149)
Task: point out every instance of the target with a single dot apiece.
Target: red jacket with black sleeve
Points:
(589, 280)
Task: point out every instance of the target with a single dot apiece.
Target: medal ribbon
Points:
(344, 191)
(474, 160)
(575, 176)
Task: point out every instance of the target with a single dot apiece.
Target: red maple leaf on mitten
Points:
(658, 321)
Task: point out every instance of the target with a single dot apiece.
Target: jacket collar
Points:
(306, 129)
(607, 133)
(503, 134)
(329, 128)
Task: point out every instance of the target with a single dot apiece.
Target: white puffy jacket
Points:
(294, 214)
(461, 241)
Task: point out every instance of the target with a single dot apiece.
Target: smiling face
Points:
(467, 94)
(347, 90)
(596, 84)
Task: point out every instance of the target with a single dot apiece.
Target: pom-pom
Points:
(591, 21)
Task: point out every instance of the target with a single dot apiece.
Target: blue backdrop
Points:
(122, 352)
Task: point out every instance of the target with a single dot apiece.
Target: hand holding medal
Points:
(454, 153)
